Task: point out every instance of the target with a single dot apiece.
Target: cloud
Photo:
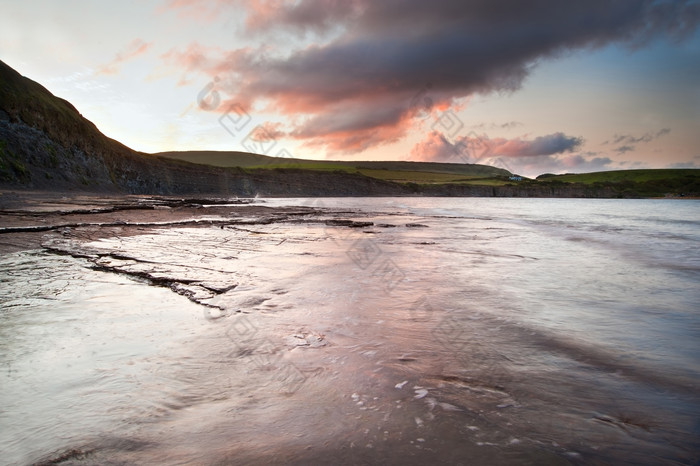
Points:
(135, 48)
(506, 125)
(629, 142)
(574, 163)
(474, 148)
(623, 149)
(529, 157)
(268, 131)
(351, 127)
(644, 138)
(437, 148)
(310, 15)
(579, 163)
(556, 143)
(509, 125)
(207, 10)
(354, 84)
(689, 164)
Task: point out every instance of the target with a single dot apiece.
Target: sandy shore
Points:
(295, 345)
(29, 218)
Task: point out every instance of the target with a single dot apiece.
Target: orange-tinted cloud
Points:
(353, 135)
(375, 67)
(133, 49)
(268, 131)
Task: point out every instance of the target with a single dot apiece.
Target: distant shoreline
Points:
(28, 198)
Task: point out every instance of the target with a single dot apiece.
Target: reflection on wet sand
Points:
(293, 335)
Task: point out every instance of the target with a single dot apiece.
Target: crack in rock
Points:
(169, 276)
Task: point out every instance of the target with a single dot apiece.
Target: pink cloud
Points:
(268, 131)
(132, 50)
(357, 83)
(530, 157)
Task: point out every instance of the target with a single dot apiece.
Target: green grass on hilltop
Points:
(305, 165)
(617, 176)
(626, 183)
(394, 171)
(636, 183)
(424, 177)
(217, 158)
(248, 160)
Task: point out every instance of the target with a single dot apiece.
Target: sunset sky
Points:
(532, 86)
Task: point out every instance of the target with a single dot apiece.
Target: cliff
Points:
(46, 144)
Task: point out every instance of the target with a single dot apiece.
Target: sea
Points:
(372, 331)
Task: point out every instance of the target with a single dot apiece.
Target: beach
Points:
(142, 330)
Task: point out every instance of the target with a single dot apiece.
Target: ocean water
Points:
(449, 330)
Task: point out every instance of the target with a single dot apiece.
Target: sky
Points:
(533, 86)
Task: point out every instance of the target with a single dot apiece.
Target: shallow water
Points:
(480, 331)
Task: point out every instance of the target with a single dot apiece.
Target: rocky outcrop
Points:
(31, 159)
(524, 190)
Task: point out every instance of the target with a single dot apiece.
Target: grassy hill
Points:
(395, 171)
(617, 176)
(217, 158)
(426, 176)
(635, 183)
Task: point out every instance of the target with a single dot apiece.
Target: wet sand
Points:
(303, 350)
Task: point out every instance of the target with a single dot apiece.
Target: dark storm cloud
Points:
(371, 54)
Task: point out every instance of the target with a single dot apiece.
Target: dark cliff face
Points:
(31, 159)
(46, 144)
(574, 191)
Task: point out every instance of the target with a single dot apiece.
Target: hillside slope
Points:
(248, 160)
(46, 144)
(677, 182)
